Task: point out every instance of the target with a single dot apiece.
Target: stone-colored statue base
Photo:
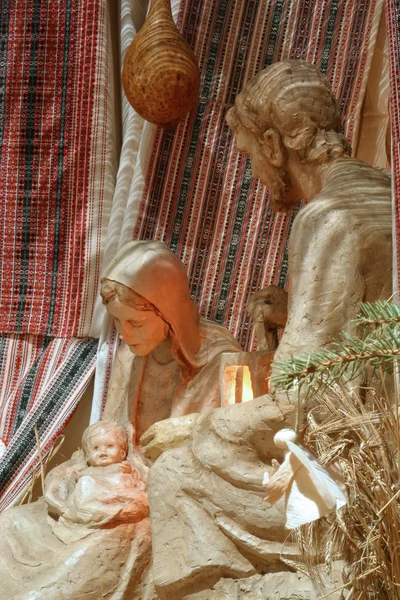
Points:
(272, 586)
(36, 565)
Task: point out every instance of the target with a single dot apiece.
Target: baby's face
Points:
(105, 449)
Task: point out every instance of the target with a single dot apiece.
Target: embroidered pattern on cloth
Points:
(57, 172)
(393, 31)
(46, 398)
(200, 196)
(49, 134)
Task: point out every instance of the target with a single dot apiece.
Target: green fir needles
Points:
(377, 345)
(356, 431)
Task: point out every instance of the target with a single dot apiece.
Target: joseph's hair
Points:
(296, 99)
(103, 427)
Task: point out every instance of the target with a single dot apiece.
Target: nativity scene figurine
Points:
(167, 367)
(340, 254)
(203, 463)
(89, 537)
(340, 247)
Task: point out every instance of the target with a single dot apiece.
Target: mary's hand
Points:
(167, 434)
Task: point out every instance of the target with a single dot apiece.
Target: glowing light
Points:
(247, 388)
(237, 384)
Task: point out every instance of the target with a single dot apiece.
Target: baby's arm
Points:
(129, 469)
(135, 504)
(126, 467)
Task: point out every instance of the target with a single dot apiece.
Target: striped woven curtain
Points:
(189, 187)
(393, 29)
(57, 175)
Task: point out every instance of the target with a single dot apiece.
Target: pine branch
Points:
(347, 357)
(378, 314)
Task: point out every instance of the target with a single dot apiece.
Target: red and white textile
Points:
(57, 175)
(393, 31)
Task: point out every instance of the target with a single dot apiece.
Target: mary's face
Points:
(142, 330)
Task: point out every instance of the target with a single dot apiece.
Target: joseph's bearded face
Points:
(283, 195)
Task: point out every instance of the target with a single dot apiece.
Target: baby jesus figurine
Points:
(99, 488)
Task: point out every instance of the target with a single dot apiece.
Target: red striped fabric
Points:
(200, 196)
(18, 355)
(57, 172)
(49, 65)
(393, 30)
(46, 398)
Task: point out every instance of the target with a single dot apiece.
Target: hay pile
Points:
(361, 436)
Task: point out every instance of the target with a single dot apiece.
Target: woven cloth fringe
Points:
(57, 175)
(393, 31)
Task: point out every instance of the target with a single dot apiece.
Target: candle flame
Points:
(238, 387)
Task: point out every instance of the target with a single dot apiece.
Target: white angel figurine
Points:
(310, 490)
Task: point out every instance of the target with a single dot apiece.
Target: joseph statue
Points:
(208, 518)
